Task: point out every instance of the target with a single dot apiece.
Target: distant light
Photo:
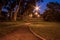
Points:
(27, 23)
(30, 15)
(37, 8)
(36, 13)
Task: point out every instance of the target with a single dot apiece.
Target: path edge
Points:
(36, 34)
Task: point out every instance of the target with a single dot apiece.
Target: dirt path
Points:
(22, 33)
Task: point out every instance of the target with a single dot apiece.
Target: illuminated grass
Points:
(8, 27)
(48, 30)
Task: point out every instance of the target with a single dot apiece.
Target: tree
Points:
(25, 6)
(52, 13)
(12, 6)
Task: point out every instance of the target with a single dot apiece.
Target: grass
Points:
(8, 27)
(48, 30)
(7, 24)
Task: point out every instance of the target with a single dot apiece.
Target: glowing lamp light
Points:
(36, 13)
(30, 15)
(37, 8)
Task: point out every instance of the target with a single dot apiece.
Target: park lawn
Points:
(8, 27)
(7, 24)
(47, 30)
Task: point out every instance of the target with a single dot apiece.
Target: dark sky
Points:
(43, 4)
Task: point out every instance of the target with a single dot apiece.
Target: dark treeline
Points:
(21, 7)
(52, 13)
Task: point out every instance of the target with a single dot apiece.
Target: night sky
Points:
(43, 4)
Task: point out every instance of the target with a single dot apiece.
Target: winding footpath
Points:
(21, 33)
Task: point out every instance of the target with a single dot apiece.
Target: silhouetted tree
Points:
(23, 5)
(52, 13)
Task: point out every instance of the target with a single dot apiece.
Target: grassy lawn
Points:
(8, 27)
(47, 30)
(7, 24)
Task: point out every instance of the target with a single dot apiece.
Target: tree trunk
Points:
(15, 14)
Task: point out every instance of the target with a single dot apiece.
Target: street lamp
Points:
(36, 13)
(37, 8)
(30, 15)
(38, 16)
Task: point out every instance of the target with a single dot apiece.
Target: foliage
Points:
(52, 13)
(23, 5)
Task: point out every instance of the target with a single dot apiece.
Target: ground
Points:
(47, 30)
(14, 30)
(18, 33)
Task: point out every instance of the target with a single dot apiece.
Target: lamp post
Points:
(37, 8)
(30, 15)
